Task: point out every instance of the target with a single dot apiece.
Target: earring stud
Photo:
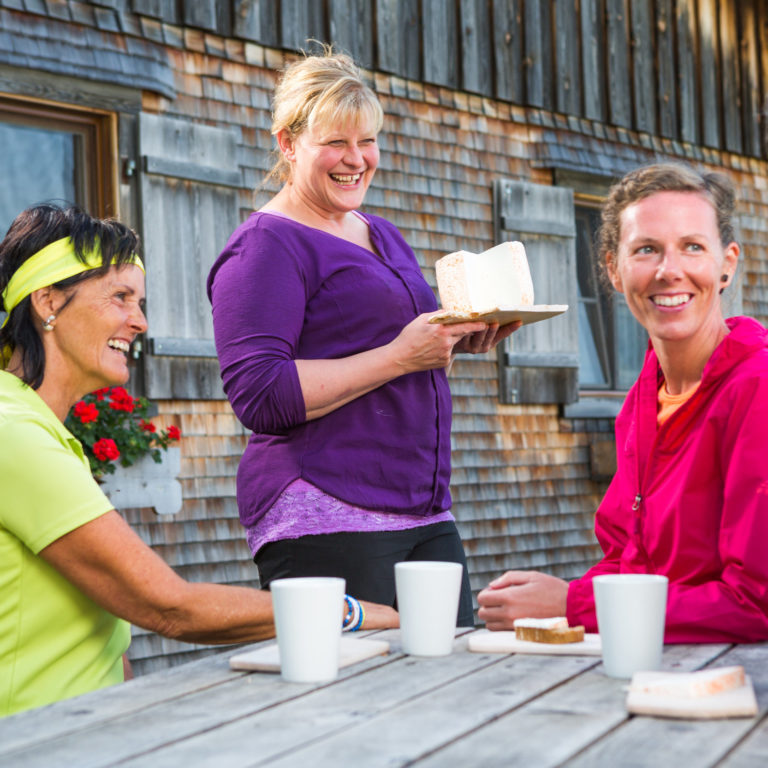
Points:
(724, 278)
(48, 324)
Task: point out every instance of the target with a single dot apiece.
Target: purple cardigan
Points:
(283, 291)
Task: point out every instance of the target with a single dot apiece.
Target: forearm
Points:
(215, 614)
(109, 563)
(420, 346)
(328, 384)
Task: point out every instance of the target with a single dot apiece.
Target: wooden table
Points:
(466, 710)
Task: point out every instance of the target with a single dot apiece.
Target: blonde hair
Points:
(322, 90)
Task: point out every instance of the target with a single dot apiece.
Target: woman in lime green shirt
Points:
(72, 572)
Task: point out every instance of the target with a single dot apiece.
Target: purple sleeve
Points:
(258, 295)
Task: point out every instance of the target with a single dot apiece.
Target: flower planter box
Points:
(147, 484)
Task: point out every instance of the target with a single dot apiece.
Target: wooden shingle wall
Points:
(522, 482)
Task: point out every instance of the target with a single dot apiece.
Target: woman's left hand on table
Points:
(379, 616)
(519, 595)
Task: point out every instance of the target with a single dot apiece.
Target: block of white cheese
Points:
(471, 283)
(707, 694)
(689, 685)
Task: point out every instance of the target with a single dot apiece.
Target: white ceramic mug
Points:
(428, 603)
(631, 608)
(308, 616)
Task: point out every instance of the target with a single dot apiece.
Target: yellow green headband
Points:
(56, 262)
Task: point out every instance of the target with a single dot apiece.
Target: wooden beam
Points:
(709, 68)
(619, 99)
(643, 82)
(666, 69)
(592, 14)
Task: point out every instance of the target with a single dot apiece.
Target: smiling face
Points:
(670, 264)
(332, 167)
(88, 347)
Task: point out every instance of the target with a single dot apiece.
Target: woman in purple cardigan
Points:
(321, 321)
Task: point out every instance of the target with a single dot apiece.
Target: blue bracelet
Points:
(349, 614)
(361, 619)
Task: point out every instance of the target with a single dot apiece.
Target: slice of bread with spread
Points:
(552, 630)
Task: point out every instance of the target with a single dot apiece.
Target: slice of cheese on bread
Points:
(552, 630)
(475, 283)
(688, 685)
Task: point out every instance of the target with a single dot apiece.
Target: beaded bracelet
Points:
(354, 615)
(361, 619)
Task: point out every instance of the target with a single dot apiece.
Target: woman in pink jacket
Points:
(690, 496)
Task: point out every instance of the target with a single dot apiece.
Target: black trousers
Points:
(366, 560)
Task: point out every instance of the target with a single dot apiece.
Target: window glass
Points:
(631, 343)
(38, 165)
(55, 153)
(612, 343)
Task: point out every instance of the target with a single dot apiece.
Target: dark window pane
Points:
(592, 369)
(631, 343)
(38, 165)
(587, 221)
(611, 342)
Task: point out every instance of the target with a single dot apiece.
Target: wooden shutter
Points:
(540, 364)
(189, 185)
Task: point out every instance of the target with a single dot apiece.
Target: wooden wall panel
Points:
(643, 74)
(300, 21)
(709, 69)
(351, 27)
(687, 67)
(619, 89)
(731, 78)
(398, 37)
(539, 78)
(750, 66)
(506, 24)
(568, 80)
(440, 27)
(592, 15)
(762, 33)
(201, 13)
(256, 20)
(160, 9)
(687, 70)
(476, 53)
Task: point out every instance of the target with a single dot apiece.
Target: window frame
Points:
(96, 129)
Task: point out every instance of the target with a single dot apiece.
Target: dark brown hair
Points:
(31, 231)
(663, 177)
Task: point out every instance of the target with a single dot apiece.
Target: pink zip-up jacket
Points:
(690, 498)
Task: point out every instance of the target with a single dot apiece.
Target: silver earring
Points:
(47, 324)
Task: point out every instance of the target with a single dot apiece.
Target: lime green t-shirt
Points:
(54, 641)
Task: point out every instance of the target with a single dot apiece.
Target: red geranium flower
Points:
(105, 449)
(174, 433)
(99, 393)
(86, 411)
(120, 400)
(147, 426)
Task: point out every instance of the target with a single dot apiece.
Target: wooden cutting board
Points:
(738, 702)
(503, 315)
(267, 658)
(485, 641)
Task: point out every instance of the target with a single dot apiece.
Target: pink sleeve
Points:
(613, 539)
